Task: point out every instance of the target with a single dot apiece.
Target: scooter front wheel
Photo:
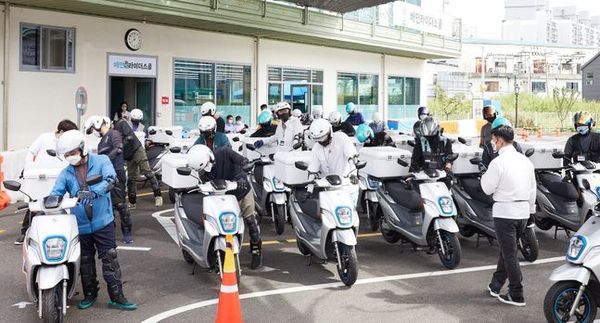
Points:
(348, 271)
(279, 218)
(450, 253)
(559, 300)
(52, 304)
(528, 245)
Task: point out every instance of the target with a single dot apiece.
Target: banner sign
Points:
(125, 65)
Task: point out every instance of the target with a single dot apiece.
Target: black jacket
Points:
(381, 139)
(439, 149)
(577, 146)
(264, 131)
(228, 166)
(220, 125)
(111, 145)
(346, 128)
(130, 141)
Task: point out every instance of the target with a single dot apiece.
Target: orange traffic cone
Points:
(229, 309)
(4, 198)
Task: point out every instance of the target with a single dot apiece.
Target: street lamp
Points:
(517, 89)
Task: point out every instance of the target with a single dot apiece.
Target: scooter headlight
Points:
(577, 245)
(373, 184)
(54, 248)
(228, 222)
(344, 215)
(277, 184)
(446, 205)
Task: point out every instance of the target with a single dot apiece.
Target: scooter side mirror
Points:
(402, 163)
(250, 147)
(51, 152)
(361, 164)
(175, 150)
(12, 185)
(558, 154)
(462, 140)
(529, 152)
(235, 139)
(301, 165)
(93, 180)
(297, 145)
(272, 157)
(452, 157)
(169, 132)
(475, 161)
(411, 143)
(184, 171)
(152, 132)
(240, 148)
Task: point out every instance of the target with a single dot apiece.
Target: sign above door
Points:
(132, 65)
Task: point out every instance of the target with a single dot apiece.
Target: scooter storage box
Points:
(382, 162)
(38, 182)
(542, 158)
(286, 170)
(401, 141)
(170, 163)
(462, 165)
(161, 137)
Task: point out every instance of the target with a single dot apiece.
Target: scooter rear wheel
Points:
(52, 304)
(348, 272)
(560, 298)
(544, 223)
(373, 215)
(172, 195)
(451, 257)
(390, 236)
(187, 257)
(302, 248)
(528, 245)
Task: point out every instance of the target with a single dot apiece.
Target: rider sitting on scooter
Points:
(266, 127)
(335, 118)
(288, 132)
(94, 217)
(226, 164)
(489, 151)
(431, 148)
(584, 143)
(208, 136)
(366, 136)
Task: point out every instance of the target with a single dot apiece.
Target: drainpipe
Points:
(254, 111)
(384, 99)
(5, 77)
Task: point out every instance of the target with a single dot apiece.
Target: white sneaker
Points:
(132, 206)
(507, 299)
(158, 201)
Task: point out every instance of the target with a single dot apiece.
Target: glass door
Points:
(301, 97)
(144, 99)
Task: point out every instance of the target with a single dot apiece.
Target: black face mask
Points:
(490, 119)
(284, 117)
(208, 134)
(327, 141)
(135, 122)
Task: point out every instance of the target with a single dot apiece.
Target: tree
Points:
(448, 105)
(564, 99)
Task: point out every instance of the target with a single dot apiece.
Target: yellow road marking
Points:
(149, 193)
(268, 242)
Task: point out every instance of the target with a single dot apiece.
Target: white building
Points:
(169, 57)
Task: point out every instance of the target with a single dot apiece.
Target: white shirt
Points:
(38, 148)
(285, 134)
(511, 178)
(333, 159)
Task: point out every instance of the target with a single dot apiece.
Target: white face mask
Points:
(239, 122)
(422, 117)
(73, 160)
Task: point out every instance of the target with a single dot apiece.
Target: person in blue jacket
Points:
(209, 137)
(94, 217)
(354, 118)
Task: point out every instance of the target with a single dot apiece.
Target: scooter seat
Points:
(554, 184)
(472, 186)
(406, 197)
(192, 205)
(258, 173)
(153, 152)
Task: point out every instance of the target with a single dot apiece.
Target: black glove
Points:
(482, 168)
(242, 184)
(86, 197)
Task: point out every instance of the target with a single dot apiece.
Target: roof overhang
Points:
(340, 6)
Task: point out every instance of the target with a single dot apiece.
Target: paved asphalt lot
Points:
(394, 285)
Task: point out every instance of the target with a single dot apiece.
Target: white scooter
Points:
(422, 213)
(327, 227)
(204, 216)
(51, 252)
(367, 197)
(576, 293)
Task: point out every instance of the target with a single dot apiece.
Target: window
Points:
(538, 87)
(362, 89)
(303, 89)
(589, 78)
(403, 97)
(492, 86)
(46, 48)
(572, 86)
(228, 85)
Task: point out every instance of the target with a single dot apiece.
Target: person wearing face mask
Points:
(36, 152)
(123, 113)
(210, 109)
(111, 145)
(289, 131)
(489, 150)
(422, 113)
(265, 125)
(240, 126)
(431, 148)
(378, 125)
(209, 137)
(94, 217)
(335, 118)
(136, 117)
(229, 125)
(511, 179)
(585, 144)
(489, 115)
(355, 118)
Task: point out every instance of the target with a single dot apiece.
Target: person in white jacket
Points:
(288, 133)
(510, 178)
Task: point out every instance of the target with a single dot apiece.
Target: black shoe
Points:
(493, 292)
(507, 299)
(20, 240)
(256, 258)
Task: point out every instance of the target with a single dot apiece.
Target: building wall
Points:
(592, 92)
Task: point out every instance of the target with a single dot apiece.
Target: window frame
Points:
(39, 68)
(589, 78)
(310, 82)
(404, 91)
(358, 78)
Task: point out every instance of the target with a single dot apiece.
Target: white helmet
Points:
(297, 113)
(377, 117)
(282, 106)
(200, 158)
(208, 109)
(136, 114)
(317, 112)
(319, 130)
(335, 117)
(207, 123)
(95, 123)
(71, 140)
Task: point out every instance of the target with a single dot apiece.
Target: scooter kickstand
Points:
(308, 260)
(193, 269)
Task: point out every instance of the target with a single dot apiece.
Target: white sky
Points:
(487, 15)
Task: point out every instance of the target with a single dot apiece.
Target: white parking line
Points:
(166, 223)
(176, 311)
(133, 248)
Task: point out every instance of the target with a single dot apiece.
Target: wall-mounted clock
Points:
(133, 39)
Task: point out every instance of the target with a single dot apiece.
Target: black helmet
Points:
(429, 127)
(489, 113)
(423, 111)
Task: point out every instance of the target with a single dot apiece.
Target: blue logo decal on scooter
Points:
(598, 193)
(54, 248)
(228, 221)
(344, 216)
(446, 205)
